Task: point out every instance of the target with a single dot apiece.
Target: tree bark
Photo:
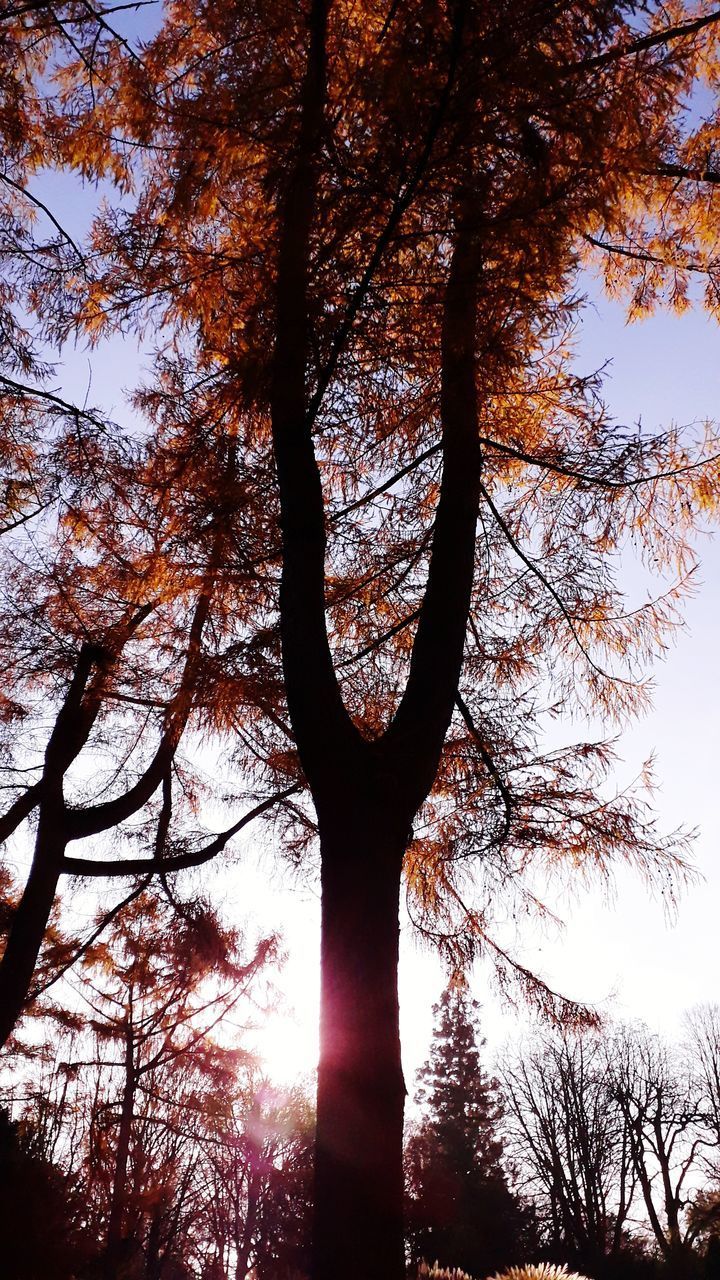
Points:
(361, 1091)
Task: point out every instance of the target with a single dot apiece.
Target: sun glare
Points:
(287, 1044)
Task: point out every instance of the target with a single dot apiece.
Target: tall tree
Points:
(462, 1212)
(360, 230)
(163, 985)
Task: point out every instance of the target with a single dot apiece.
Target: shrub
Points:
(543, 1271)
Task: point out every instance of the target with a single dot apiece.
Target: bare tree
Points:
(662, 1107)
(703, 1042)
(568, 1134)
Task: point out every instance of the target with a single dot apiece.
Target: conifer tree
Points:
(462, 1211)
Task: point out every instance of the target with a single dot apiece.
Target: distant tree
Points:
(702, 1039)
(461, 1210)
(156, 993)
(664, 1111)
(258, 1172)
(569, 1137)
(712, 1258)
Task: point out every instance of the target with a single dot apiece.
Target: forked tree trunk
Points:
(361, 1091)
(365, 792)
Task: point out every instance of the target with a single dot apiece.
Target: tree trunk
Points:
(153, 1261)
(243, 1242)
(31, 917)
(118, 1199)
(358, 1230)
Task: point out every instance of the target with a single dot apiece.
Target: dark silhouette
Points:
(41, 1232)
(461, 1209)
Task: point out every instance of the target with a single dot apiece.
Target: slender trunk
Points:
(116, 1220)
(32, 915)
(243, 1242)
(358, 1229)
(153, 1261)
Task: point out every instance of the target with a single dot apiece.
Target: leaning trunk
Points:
(358, 1161)
(31, 918)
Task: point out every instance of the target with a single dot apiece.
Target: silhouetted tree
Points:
(569, 1138)
(662, 1107)
(132, 1099)
(155, 994)
(702, 1040)
(42, 1233)
(712, 1258)
(462, 1212)
(259, 1185)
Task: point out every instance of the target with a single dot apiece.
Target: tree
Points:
(172, 1153)
(703, 1044)
(360, 231)
(462, 1212)
(569, 1138)
(259, 1185)
(667, 1132)
(164, 983)
(112, 603)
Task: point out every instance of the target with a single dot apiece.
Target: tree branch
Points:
(163, 866)
(632, 47)
(10, 182)
(317, 711)
(422, 718)
(19, 810)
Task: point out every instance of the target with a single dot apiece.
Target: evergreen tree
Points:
(461, 1210)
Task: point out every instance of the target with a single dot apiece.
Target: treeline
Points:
(140, 1141)
(618, 1137)
(596, 1148)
